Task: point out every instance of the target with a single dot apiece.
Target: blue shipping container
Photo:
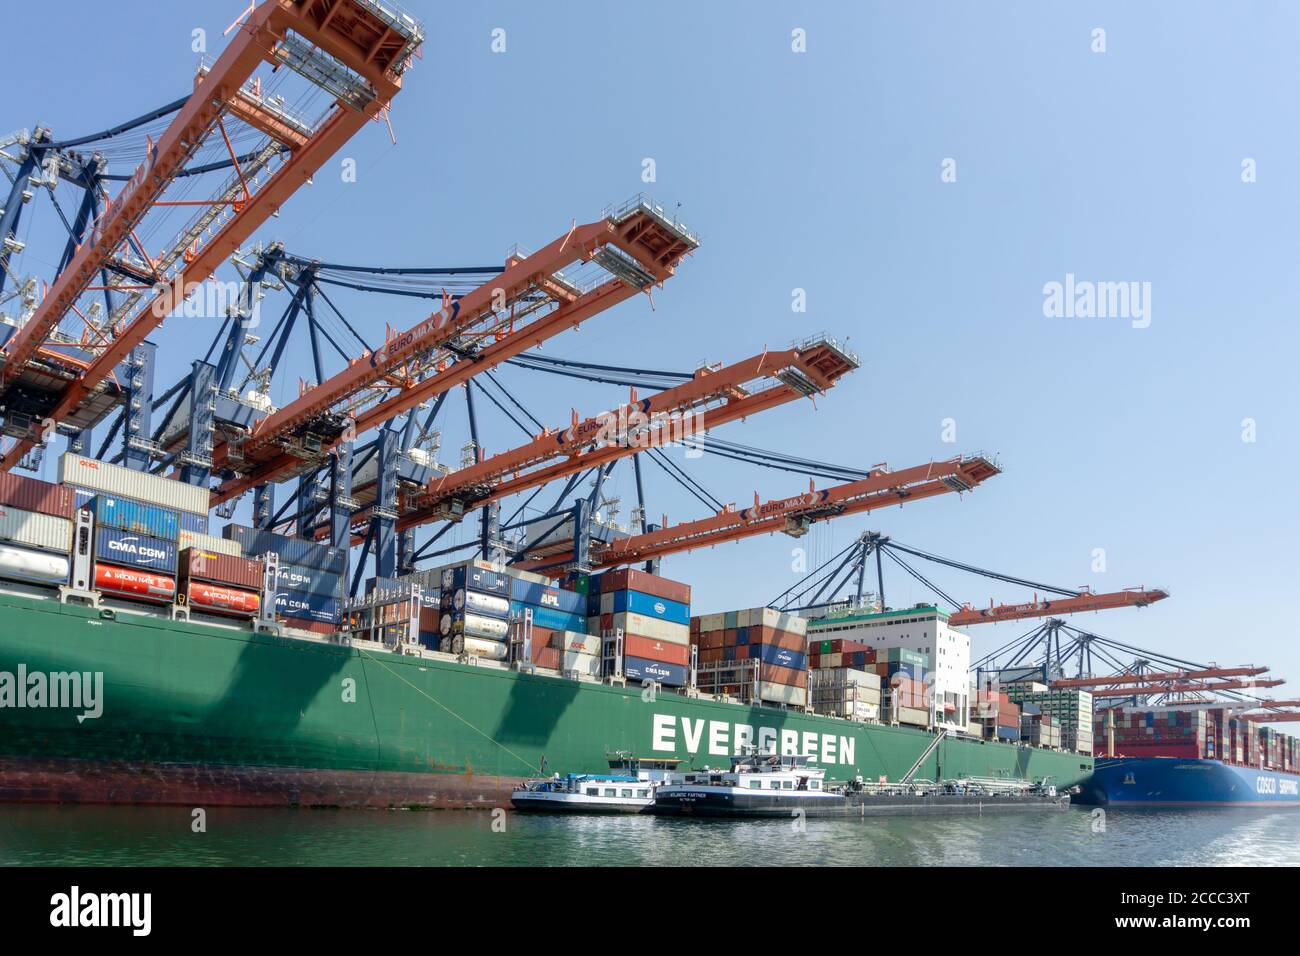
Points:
(295, 577)
(549, 618)
(635, 602)
(299, 551)
(313, 607)
(126, 515)
(1008, 733)
(135, 550)
(638, 668)
(771, 654)
(742, 636)
(197, 524)
(543, 595)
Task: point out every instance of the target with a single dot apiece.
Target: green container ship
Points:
(188, 713)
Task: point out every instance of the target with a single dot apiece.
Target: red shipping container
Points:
(548, 657)
(785, 640)
(429, 619)
(199, 565)
(627, 579)
(776, 674)
(303, 624)
(710, 655)
(711, 640)
(133, 583)
(650, 649)
(222, 600)
(32, 494)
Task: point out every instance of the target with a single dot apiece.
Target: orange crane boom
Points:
(795, 514)
(637, 245)
(713, 397)
(359, 36)
(1285, 718)
(1084, 682)
(1087, 601)
(1173, 688)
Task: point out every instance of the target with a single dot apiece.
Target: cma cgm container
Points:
(32, 494)
(308, 554)
(135, 550)
(31, 529)
(320, 608)
(83, 472)
(670, 675)
(138, 517)
(307, 580)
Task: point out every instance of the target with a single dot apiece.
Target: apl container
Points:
(135, 516)
(129, 483)
(638, 668)
(543, 595)
(220, 599)
(33, 529)
(135, 550)
(21, 564)
(32, 494)
(134, 583)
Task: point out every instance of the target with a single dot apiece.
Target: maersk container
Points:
(32, 529)
(638, 602)
(138, 517)
(32, 494)
(308, 580)
(20, 564)
(321, 608)
(300, 551)
(543, 595)
(206, 542)
(472, 577)
(671, 675)
(548, 618)
(112, 479)
(132, 550)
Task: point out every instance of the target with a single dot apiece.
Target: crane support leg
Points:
(263, 505)
(383, 521)
(197, 459)
(341, 503)
(137, 439)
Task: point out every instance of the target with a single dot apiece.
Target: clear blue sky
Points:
(822, 171)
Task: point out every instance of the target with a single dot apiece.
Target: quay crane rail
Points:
(353, 50)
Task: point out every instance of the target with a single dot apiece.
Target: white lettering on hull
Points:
(721, 738)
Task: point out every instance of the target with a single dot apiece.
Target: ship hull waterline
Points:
(1185, 782)
(192, 714)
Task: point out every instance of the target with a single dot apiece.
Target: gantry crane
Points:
(637, 248)
(353, 50)
(793, 515)
(1151, 677)
(1174, 687)
(848, 570)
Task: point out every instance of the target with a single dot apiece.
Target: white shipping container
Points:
(115, 479)
(849, 709)
(645, 626)
(782, 694)
(588, 665)
(35, 530)
(781, 620)
(209, 542)
(712, 622)
(577, 643)
(843, 677)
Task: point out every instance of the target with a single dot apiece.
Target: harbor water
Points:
(129, 836)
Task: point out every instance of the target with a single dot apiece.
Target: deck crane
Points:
(849, 568)
(353, 50)
(793, 515)
(636, 246)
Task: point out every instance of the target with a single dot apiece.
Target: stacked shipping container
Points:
(35, 530)
(759, 653)
(653, 613)
(309, 586)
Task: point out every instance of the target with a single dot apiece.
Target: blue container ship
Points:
(1186, 782)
